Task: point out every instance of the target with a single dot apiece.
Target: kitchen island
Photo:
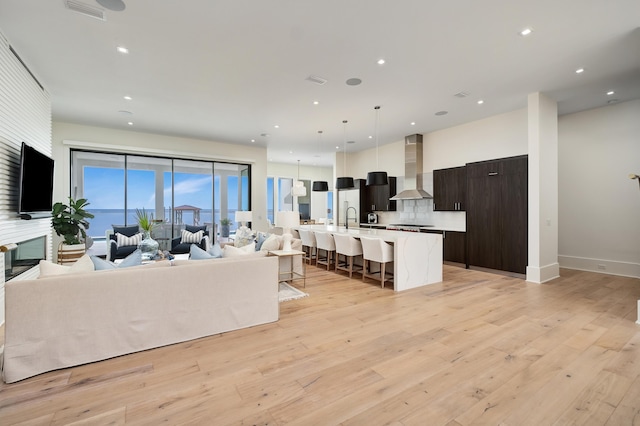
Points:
(417, 257)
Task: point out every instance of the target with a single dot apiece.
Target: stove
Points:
(405, 227)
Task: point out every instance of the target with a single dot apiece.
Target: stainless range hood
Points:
(412, 170)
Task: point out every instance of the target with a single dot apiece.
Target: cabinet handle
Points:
(493, 173)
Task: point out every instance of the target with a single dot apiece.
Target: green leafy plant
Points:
(70, 220)
(145, 220)
(225, 221)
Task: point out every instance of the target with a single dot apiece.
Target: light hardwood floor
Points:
(477, 349)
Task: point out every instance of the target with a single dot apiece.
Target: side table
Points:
(291, 274)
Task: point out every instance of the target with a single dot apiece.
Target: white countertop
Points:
(386, 235)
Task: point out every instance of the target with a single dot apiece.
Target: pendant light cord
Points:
(344, 142)
(377, 108)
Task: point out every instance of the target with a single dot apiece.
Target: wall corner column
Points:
(542, 264)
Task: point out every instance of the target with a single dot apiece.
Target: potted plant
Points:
(148, 246)
(224, 227)
(70, 222)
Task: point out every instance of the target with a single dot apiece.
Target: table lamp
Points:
(287, 220)
(244, 235)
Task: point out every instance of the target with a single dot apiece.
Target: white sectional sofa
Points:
(71, 319)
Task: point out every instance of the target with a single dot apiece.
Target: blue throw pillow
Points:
(133, 259)
(215, 250)
(196, 253)
(262, 237)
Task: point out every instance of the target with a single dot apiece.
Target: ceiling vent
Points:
(85, 9)
(316, 79)
(461, 95)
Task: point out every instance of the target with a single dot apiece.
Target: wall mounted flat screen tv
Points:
(35, 196)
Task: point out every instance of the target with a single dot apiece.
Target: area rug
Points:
(288, 292)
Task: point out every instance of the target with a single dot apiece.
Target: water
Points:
(106, 218)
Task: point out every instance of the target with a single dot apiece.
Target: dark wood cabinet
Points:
(497, 216)
(454, 245)
(377, 197)
(449, 189)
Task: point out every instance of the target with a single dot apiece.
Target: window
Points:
(177, 192)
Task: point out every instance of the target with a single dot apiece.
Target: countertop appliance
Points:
(372, 218)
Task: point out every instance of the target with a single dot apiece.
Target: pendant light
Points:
(377, 178)
(299, 190)
(320, 185)
(344, 182)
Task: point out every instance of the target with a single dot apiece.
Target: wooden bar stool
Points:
(350, 249)
(326, 248)
(309, 246)
(378, 251)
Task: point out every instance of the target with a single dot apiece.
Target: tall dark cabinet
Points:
(497, 217)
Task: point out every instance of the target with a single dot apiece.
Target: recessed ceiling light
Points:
(380, 61)
(122, 49)
(353, 81)
(276, 126)
(253, 140)
(480, 102)
(370, 137)
(442, 112)
(610, 92)
(337, 147)
(316, 102)
(413, 123)
(290, 152)
(128, 98)
(130, 123)
(579, 70)
(526, 32)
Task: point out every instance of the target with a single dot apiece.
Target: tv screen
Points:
(36, 181)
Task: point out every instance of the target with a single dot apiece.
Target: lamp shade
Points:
(377, 178)
(244, 216)
(288, 220)
(298, 189)
(344, 183)
(320, 186)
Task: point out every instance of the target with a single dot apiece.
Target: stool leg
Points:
(382, 270)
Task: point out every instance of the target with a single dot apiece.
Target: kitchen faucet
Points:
(346, 216)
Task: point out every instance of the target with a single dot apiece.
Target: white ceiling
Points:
(231, 70)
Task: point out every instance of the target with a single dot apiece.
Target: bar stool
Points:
(309, 245)
(378, 251)
(349, 248)
(326, 248)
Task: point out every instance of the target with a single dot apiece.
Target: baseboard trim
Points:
(610, 267)
(542, 274)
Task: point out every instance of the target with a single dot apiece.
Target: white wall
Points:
(599, 206)
(310, 173)
(103, 139)
(25, 115)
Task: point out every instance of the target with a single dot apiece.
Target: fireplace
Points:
(22, 256)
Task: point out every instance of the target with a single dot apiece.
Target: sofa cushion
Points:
(231, 251)
(193, 229)
(133, 259)
(127, 231)
(123, 240)
(261, 237)
(188, 237)
(271, 243)
(50, 269)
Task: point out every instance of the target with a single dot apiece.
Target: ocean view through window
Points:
(177, 192)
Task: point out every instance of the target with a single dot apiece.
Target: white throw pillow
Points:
(271, 243)
(50, 269)
(191, 237)
(231, 251)
(123, 240)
